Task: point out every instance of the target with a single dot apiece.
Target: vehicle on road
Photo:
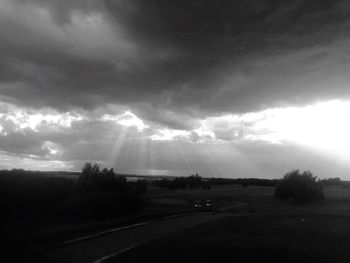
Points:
(203, 205)
(208, 203)
(198, 204)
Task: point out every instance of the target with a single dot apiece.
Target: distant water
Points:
(147, 177)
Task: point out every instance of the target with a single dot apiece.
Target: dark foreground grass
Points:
(41, 238)
(252, 239)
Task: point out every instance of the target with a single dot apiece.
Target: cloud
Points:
(183, 58)
(260, 144)
(129, 78)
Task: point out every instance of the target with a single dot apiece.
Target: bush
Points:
(299, 187)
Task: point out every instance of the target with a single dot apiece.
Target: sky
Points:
(230, 88)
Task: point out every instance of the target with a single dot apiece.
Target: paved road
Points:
(96, 249)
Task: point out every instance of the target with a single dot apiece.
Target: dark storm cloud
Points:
(188, 58)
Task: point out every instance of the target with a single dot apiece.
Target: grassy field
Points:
(234, 198)
(256, 201)
(273, 232)
(223, 196)
(252, 239)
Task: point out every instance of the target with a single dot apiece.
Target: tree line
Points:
(195, 181)
(34, 198)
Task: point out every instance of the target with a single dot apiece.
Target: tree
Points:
(101, 193)
(299, 187)
(93, 179)
(89, 176)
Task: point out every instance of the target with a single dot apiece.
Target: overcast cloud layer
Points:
(128, 77)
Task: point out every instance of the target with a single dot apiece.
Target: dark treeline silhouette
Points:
(192, 181)
(244, 181)
(32, 198)
(331, 181)
(268, 182)
(197, 181)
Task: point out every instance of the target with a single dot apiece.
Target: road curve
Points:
(100, 248)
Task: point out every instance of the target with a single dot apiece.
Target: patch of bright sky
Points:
(24, 120)
(170, 135)
(323, 126)
(126, 119)
(52, 148)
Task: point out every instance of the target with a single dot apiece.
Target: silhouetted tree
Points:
(299, 187)
(88, 180)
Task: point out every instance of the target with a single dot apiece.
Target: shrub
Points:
(299, 187)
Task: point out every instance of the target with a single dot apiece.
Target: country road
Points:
(99, 248)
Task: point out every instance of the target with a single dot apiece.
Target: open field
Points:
(93, 249)
(252, 239)
(275, 232)
(258, 199)
(249, 215)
